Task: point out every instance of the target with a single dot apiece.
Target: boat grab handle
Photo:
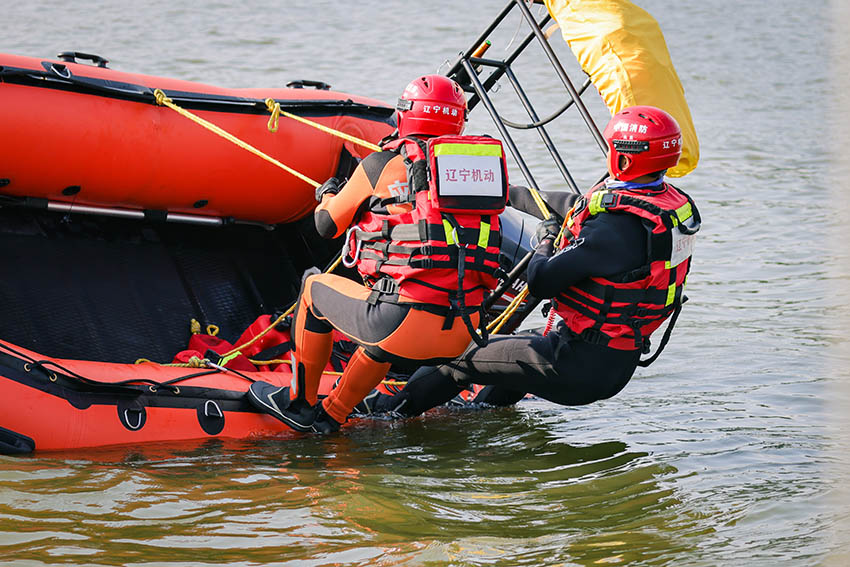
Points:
(72, 56)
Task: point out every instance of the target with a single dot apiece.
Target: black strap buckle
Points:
(609, 199)
(594, 337)
(384, 286)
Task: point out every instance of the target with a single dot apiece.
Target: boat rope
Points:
(496, 324)
(163, 100)
(274, 107)
(195, 328)
(238, 350)
(197, 362)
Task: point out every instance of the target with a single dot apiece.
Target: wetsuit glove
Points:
(330, 186)
(547, 229)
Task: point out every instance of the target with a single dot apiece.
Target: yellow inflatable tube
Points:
(621, 47)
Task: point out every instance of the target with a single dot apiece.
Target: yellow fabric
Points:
(468, 149)
(484, 235)
(684, 212)
(621, 47)
(449, 229)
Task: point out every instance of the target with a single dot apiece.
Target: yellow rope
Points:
(163, 100)
(538, 200)
(274, 107)
(496, 324)
(262, 333)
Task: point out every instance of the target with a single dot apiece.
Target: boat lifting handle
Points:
(72, 56)
(301, 83)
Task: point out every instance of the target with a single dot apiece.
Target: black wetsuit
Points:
(558, 367)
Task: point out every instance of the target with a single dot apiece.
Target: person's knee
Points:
(587, 392)
(313, 323)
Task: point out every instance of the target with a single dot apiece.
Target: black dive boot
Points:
(323, 422)
(274, 400)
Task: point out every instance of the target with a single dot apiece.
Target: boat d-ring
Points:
(61, 70)
(139, 420)
(132, 416)
(211, 417)
(212, 409)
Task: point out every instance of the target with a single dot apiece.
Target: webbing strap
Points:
(618, 295)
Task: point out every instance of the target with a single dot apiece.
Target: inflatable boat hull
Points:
(91, 136)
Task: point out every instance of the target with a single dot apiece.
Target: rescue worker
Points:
(618, 274)
(428, 259)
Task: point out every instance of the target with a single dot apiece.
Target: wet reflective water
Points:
(730, 448)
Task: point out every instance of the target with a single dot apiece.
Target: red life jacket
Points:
(444, 250)
(621, 311)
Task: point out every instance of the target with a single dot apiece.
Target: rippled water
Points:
(730, 449)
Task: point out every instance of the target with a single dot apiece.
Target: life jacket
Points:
(621, 311)
(443, 249)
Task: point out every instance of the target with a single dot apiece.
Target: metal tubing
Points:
(479, 88)
(129, 213)
(563, 76)
(544, 135)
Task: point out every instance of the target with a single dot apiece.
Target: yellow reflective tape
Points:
(447, 226)
(228, 357)
(671, 294)
(468, 149)
(595, 205)
(684, 212)
(484, 234)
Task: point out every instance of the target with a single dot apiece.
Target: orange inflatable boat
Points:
(52, 404)
(121, 221)
(86, 135)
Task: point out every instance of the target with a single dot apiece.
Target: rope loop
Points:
(160, 97)
(274, 107)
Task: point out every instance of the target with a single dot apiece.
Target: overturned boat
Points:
(150, 260)
(121, 222)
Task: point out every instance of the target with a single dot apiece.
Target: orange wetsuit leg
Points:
(387, 332)
(313, 346)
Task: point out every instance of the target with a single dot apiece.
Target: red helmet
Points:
(432, 105)
(646, 138)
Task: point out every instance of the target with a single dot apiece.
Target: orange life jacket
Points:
(621, 311)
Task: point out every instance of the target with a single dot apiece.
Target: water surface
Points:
(729, 449)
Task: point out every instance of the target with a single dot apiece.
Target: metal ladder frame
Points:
(466, 71)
